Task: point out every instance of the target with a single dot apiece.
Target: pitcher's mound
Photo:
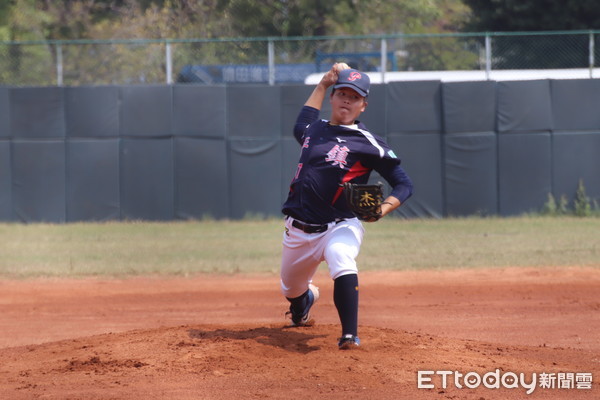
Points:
(273, 361)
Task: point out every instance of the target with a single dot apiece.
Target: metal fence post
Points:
(383, 59)
(169, 63)
(592, 49)
(59, 65)
(271, 51)
(488, 56)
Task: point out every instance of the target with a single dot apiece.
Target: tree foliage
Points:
(48, 20)
(532, 15)
(518, 52)
(88, 19)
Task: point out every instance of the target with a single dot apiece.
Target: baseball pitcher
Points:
(329, 197)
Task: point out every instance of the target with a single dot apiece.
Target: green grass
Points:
(185, 248)
(482, 242)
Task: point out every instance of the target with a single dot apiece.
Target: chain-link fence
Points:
(289, 60)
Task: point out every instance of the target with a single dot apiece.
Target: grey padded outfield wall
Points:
(92, 112)
(255, 176)
(421, 155)
(146, 183)
(201, 178)
(576, 137)
(524, 106)
(4, 111)
(165, 152)
(92, 116)
(146, 111)
(470, 148)
(524, 172)
(6, 209)
(93, 179)
(201, 168)
(576, 156)
(414, 130)
(199, 111)
(470, 174)
(39, 180)
(575, 105)
(524, 145)
(37, 113)
(469, 107)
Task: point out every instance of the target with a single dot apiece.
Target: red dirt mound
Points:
(216, 337)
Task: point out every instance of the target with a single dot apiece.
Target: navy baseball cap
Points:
(354, 79)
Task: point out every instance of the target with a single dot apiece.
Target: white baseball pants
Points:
(302, 253)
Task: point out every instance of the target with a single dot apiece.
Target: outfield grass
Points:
(186, 248)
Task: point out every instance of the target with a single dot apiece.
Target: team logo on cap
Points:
(354, 76)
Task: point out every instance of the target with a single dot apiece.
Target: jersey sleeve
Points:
(307, 116)
(388, 166)
(402, 186)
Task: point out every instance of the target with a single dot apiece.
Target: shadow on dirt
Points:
(289, 339)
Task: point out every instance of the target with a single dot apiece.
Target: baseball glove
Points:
(364, 200)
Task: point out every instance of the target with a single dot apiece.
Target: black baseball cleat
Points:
(302, 318)
(348, 342)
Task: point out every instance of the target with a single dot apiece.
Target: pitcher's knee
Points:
(294, 289)
(341, 259)
(340, 251)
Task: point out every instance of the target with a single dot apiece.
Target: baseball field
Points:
(473, 308)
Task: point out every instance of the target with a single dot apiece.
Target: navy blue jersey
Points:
(332, 155)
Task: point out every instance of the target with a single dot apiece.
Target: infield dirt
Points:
(225, 337)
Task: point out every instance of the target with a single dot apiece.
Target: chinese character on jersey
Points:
(338, 155)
